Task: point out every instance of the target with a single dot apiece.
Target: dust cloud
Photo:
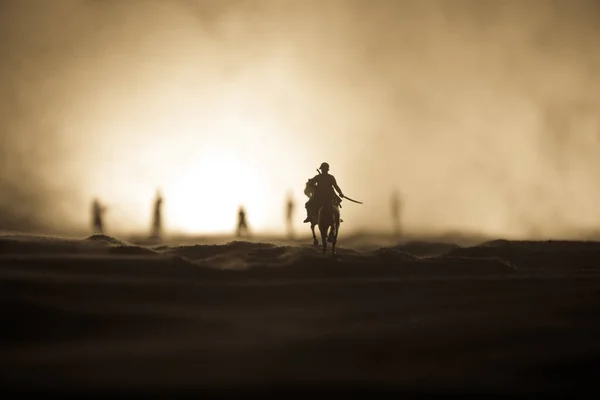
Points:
(483, 114)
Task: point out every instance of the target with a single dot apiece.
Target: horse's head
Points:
(309, 190)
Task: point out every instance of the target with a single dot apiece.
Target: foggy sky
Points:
(484, 114)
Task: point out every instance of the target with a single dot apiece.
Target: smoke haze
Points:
(485, 115)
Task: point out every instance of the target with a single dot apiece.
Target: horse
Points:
(314, 219)
(329, 222)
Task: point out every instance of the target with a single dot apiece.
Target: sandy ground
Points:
(99, 316)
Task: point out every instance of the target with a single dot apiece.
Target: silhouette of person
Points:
(323, 192)
(242, 228)
(157, 217)
(289, 215)
(97, 214)
(396, 205)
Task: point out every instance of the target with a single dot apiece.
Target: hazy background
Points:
(484, 114)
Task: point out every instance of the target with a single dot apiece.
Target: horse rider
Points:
(322, 192)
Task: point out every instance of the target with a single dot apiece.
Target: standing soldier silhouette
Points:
(97, 215)
(242, 228)
(395, 205)
(156, 232)
(290, 206)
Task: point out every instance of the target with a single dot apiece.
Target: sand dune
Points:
(103, 315)
(248, 259)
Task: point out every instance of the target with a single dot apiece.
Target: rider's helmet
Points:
(324, 167)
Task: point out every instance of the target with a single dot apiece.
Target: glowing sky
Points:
(483, 114)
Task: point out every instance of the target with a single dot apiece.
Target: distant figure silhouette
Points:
(396, 210)
(242, 227)
(97, 214)
(320, 190)
(289, 214)
(156, 232)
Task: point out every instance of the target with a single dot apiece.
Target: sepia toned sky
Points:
(485, 115)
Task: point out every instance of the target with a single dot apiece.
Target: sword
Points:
(352, 200)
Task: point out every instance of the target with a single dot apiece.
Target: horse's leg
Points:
(323, 230)
(332, 232)
(316, 222)
(335, 229)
